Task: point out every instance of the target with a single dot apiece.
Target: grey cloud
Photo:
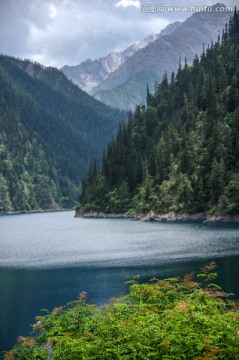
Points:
(59, 32)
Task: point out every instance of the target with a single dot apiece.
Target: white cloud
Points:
(52, 11)
(126, 3)
(80, 31)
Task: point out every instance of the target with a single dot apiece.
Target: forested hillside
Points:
(50, 131)
(181, 152)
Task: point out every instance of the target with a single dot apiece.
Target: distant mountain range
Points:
(91, 73)
(120, 79)
(50, 132)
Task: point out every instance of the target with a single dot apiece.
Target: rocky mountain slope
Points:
(90, 73)
(151, 62)
(120, 79)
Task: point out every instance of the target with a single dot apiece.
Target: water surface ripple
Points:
(47, 259)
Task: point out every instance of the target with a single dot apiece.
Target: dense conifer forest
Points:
(50, 131)
(180, 153)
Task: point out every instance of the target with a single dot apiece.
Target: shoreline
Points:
(39, 211)
(170, 217)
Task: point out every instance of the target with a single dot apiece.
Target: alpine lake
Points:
(47, 259)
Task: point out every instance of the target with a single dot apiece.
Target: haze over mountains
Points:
(120, 79)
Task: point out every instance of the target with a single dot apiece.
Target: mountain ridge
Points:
(88, 74)
(124, 86)
(186, 41)
(50, 132)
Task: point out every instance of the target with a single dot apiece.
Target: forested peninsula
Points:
(179, 153)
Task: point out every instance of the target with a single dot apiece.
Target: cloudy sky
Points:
(59, 32)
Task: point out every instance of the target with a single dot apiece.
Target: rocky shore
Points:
(201, 217)
(101, 215)
(33, 211)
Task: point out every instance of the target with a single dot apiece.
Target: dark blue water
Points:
(46, 260)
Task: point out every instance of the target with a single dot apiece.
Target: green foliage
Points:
(179, 153)
(145, 199)
(230, 197)
(164, 319)
(50, 131)
(118, 199)
(5, 203)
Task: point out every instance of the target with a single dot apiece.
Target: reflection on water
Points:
(46, 260)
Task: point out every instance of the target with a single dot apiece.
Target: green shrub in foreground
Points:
(164, 319)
